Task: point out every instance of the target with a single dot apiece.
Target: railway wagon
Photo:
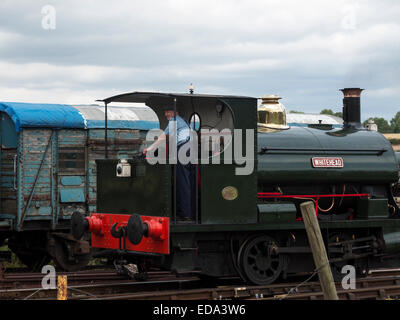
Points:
(48, 171)
(251, 224)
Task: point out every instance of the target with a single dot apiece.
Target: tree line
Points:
(383, 125)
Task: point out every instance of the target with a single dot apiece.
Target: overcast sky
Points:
(304, 51)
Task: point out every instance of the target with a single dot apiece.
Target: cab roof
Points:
(143, 97)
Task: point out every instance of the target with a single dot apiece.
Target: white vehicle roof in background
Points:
(303, 119)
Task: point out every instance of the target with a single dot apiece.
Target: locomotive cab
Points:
(150, 188)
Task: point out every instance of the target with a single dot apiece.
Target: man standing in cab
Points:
(184, 172)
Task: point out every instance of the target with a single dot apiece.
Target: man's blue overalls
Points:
(184, 173)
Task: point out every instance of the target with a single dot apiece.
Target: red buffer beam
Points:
(156, 239)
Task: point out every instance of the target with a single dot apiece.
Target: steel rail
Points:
(163, 285)
(311, 290)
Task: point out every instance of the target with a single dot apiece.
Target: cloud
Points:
(304, 52)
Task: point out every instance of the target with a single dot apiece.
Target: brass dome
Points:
(271, 113)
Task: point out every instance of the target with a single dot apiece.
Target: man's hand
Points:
(155, 144)
(147, 150)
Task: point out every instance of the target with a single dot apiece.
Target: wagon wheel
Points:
(64, 261)
(257, 264)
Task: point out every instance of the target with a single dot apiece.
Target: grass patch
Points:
(96, 262)
(14, 263)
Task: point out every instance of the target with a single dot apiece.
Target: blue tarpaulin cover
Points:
(25, 115)
(58, 116)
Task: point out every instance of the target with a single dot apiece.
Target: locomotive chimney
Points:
(351, 108)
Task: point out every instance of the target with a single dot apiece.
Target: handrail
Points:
(15, 172)
(378, 152)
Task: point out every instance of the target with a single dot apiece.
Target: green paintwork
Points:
(214, 208)
(148, 194)
(372, 208)
(296, 225)
(295, 167)
(277, 212)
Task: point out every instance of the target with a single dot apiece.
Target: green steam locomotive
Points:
(247, 207)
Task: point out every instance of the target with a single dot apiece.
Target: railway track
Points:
(107, 285)
(27, 280)
(89, 283)
(382, 287)
(382, 284)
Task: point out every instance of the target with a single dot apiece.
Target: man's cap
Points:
(168, 107)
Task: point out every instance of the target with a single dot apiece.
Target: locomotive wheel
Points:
(256, 263)
(64, 262)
